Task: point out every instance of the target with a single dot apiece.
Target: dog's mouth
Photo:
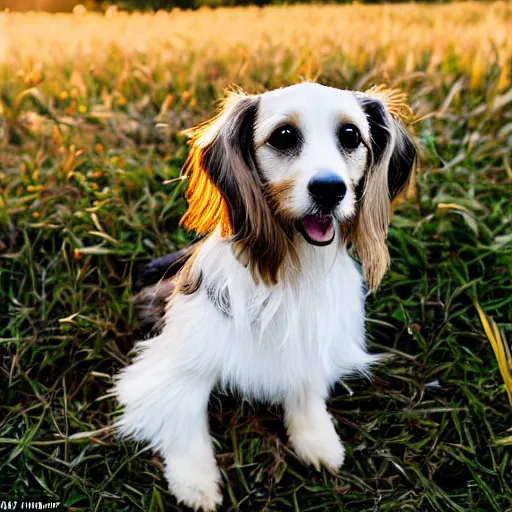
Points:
(317, 229)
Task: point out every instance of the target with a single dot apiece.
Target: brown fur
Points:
(278, 197)
(207, 209)
(151, 301)
(368, 231)
(226, 189)
(188, 281)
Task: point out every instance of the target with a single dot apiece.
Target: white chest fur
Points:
(270, 341)
(286, 343)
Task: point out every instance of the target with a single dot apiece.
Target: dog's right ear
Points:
(226, 189)
(215, 146)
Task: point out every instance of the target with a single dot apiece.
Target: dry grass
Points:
(90, 112)
(387, 39)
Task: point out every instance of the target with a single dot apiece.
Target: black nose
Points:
(327, 189)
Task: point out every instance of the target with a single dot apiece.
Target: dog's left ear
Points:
(391, 162)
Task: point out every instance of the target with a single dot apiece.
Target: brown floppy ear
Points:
(225, 188)
(391, 162)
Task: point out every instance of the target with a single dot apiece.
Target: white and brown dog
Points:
(270, 303)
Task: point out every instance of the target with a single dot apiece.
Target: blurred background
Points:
(98, 5)
(93, 101)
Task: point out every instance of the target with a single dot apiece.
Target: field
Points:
(91, 109)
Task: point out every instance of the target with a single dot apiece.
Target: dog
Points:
(269, 302)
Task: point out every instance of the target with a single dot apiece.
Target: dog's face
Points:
(312, 147)
(305, 160)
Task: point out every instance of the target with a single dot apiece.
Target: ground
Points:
(91, 109)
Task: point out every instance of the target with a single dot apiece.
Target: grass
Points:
(90, 112)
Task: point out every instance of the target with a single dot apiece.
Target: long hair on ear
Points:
(225, 189)
(392, 158)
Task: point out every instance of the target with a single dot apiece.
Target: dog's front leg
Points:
(190, 466)
(311, 430)
(165, 393)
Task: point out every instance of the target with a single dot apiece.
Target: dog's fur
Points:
(254, 305)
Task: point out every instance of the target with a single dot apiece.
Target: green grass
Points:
(423, 435)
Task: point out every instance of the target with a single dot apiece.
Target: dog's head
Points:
(305, 160)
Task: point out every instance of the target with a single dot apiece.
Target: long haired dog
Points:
(269, 303)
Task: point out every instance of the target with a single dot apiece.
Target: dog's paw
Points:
(196, 486)
(319, 446)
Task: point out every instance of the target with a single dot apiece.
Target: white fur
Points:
(316, 111)
(287, 343)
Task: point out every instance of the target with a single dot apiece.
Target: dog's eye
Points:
(349, 136)
(284, 138)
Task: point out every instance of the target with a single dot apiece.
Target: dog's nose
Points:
(327, 189)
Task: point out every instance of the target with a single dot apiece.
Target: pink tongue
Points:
(319, 229)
